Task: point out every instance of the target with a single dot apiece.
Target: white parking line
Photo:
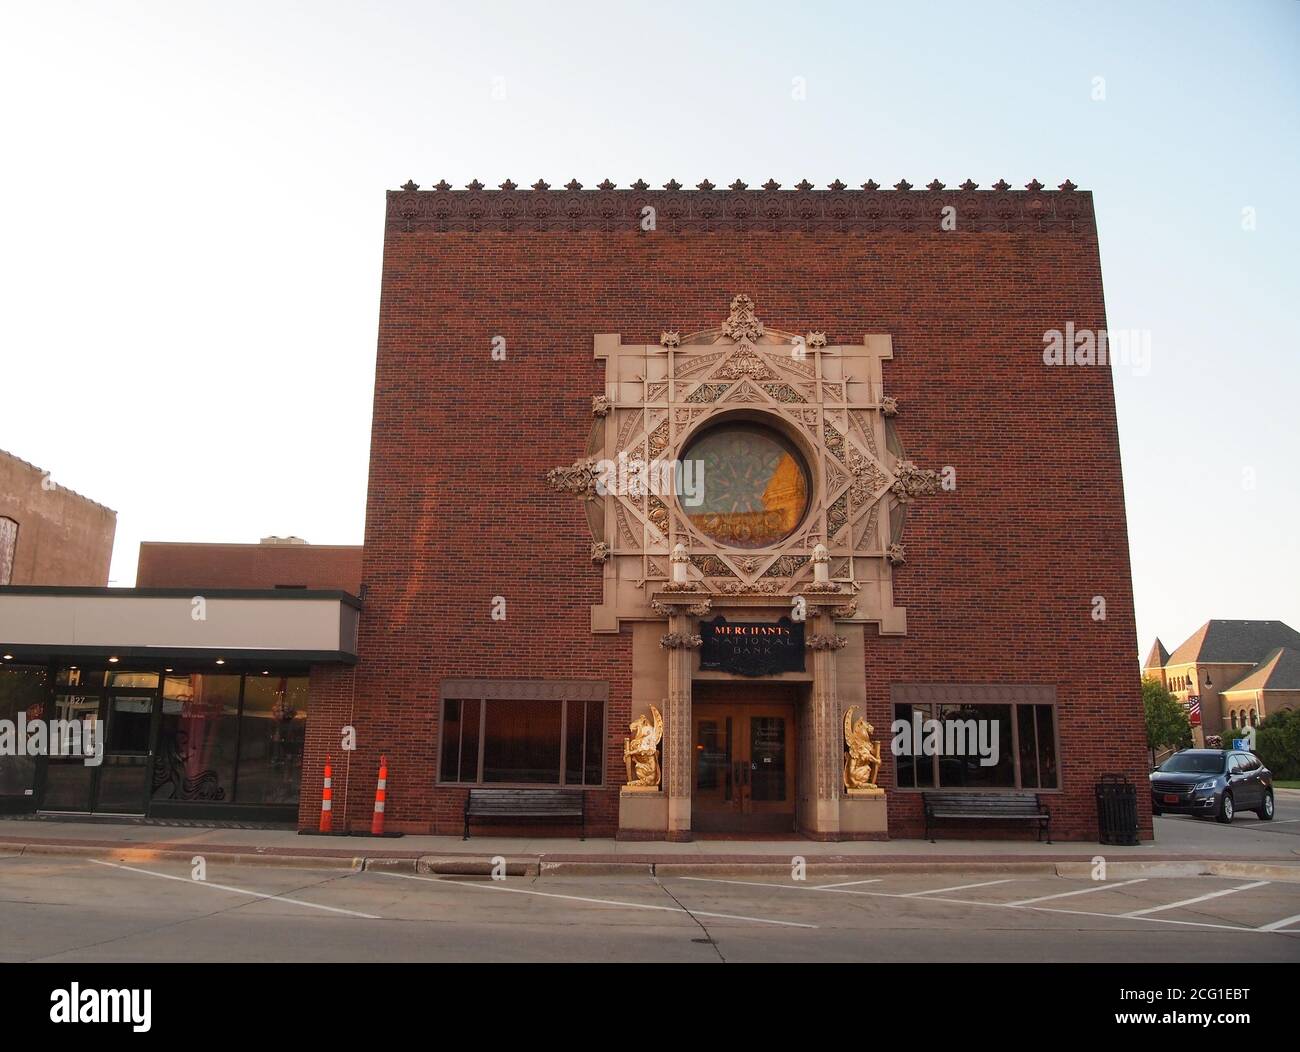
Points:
(1279, 925)
(1081, 891)
(237, 891)
(1199, 898)
(959, 887)
(601, 902)
(1004, 905)
(847, 883)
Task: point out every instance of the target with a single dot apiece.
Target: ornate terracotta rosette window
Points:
(798, 447)
(754, 485)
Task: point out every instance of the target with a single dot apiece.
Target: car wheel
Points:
(1265, 811)
(1225, 808)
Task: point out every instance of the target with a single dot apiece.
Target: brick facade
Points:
(181, 565)
(49, 534)
(1001, 574)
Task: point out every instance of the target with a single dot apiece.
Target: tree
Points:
(1167, 722)
(1277, 743)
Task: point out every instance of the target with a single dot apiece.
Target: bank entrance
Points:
(745, 760)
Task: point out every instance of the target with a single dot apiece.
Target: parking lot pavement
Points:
(71, 909)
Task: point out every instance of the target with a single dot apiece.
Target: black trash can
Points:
(1117, 815)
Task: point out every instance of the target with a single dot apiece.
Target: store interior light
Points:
(221, 661)
(8, 657)
(112, 661)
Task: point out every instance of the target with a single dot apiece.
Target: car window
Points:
(1193, 763)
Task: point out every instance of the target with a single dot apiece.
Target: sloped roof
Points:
(1280, 670)
(1231, 642)
(1158, 657)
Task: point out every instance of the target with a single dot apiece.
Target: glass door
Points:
(715, 797)
(744, 768)
(124, 775)
(69, 782)
(116, 780)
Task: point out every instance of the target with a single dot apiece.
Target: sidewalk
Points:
(1180, 840)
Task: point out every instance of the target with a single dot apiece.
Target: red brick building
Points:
(274, 563)
(913, 508)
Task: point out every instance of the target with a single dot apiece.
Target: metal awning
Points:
(300, 625)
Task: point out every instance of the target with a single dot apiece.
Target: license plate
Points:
(1171, 798)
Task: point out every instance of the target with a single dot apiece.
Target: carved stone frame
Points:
(826, 398)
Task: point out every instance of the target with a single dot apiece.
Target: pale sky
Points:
(192, 198)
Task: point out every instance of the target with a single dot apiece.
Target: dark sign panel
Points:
(751, 648)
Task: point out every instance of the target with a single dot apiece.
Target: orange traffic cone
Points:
(326, 801)
(381, 790)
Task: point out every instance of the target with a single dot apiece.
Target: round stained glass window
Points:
(744, 485)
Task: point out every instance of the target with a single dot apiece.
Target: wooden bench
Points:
(989, 807)
(525, 803)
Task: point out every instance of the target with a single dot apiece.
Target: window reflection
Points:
(523, 741)
(23, 692)
(273, 728)
(195, 759)
(755, 485)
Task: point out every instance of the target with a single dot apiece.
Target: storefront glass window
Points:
(195, 757)
(273, 727)
(522, 742)
(24, 691)
(1031, 766)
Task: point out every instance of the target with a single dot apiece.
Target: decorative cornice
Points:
(1001, 209)
(693, 605)
(680, 641)
(825, 642)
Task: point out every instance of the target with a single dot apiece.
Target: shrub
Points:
(1277, 743)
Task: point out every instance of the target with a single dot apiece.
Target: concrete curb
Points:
(597, 869)
(146, 854)
(1282, 871)
(841, 869)
(482, 865)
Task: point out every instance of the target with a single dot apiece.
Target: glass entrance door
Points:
(744, 768)
(124, 774)
(69, 782)
(118, 783)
